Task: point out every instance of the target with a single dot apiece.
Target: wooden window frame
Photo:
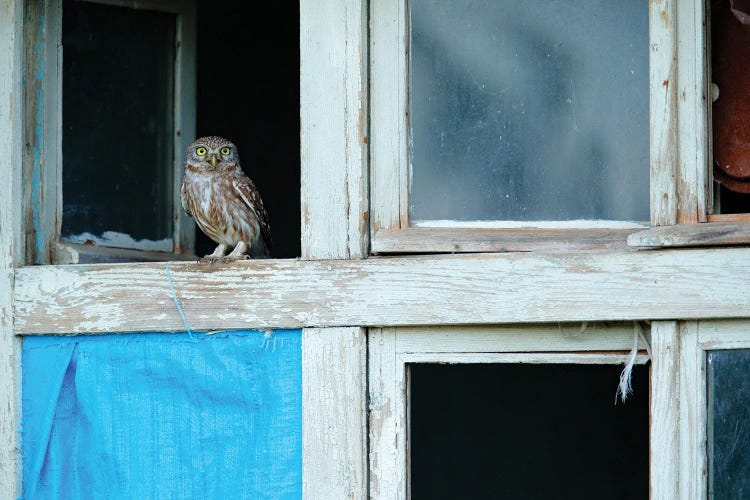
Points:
(337, 290)
(680, 167)
(44, 121)
(392, 350)
(679, 406)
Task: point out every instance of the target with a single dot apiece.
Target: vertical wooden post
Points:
(11, 243)
(692, 396)
(694, 184)
(665, 410)
(333, 109)
(333, 101)
(663, 105)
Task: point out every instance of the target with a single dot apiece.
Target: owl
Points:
(223, 201)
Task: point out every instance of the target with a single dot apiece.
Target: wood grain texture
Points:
(334, 413)
(568, 337)
(692, 235)
(43, 130)
(388, 418)
(333, 44)
(663, 110)
(184, 115)
(334, 201)
(745, 218)
(693, 183)
(665, 410)
(428, 290)
(11, 242)
(724, 334)
(439, 240)
(389, 115)
(692, 396)
(536, 358)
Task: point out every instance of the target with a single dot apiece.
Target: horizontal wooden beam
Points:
(692, 235)
(403, 291)
(463, 240)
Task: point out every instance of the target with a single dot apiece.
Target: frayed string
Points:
(177, 301)
(625, 388)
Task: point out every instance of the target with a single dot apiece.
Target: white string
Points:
(625, 388)
(176, 300)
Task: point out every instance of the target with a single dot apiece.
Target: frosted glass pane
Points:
(534, 110)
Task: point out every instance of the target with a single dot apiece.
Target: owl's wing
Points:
(184, 200)
(250, 195)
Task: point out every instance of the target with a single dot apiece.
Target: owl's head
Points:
(212, 153)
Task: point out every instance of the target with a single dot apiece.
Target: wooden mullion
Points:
(389, 115)
(693, 184)
(665, 410)
(663, 111)
(693, 410)
(11, 241)
(43, 129)
(334, 201)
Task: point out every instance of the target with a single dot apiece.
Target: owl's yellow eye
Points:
(201, 151)
(225, 151)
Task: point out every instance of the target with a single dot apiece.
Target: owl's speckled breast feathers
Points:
(225, 203)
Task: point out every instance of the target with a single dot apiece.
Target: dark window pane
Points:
(531, 110)
(527, 431)
(729, 423)
(118, 85)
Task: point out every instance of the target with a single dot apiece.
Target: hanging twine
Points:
(625, 388)
(177, 301)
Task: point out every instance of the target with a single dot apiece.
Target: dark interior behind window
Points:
(117, 137)
(527, 431)
(248, 92)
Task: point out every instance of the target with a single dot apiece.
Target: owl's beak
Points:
(214, 160)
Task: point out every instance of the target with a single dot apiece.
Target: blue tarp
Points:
(163, 416)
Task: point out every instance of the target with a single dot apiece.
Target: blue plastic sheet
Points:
(163, 416)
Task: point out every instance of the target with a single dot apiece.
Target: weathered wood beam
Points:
(460, 240)
(11, 243)
(692, 235)
(429, 290)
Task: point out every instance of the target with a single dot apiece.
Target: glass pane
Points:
(117, 121)
(527, 431)
(729, 423)
(534, 110)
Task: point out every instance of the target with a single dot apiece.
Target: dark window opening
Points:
(118, 117)
(248, 92)
(527, 431)
(118, 85)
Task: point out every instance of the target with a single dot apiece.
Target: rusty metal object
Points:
(731, 111)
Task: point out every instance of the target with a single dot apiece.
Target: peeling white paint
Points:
(505, 288)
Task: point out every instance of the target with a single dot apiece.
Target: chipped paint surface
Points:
(429, 290)
(11, 243)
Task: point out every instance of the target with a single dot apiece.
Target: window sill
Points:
(71, 253)
(693, 235)
(467, 240)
